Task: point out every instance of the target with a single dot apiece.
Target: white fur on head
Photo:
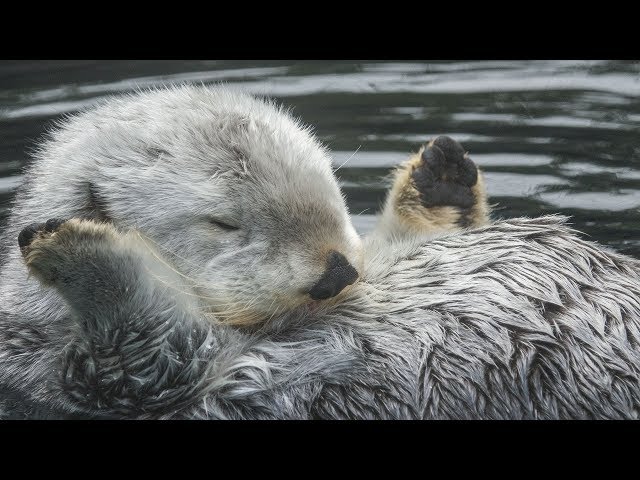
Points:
(180, 163)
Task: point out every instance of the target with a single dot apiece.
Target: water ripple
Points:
(551, 136)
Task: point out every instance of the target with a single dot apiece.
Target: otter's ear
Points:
(96, 207)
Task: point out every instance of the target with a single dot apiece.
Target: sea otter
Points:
(187, 253)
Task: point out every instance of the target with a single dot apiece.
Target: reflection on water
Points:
(551, 136)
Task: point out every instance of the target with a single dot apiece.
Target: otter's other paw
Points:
(440, 188)
(54, 250)
(28, 234)
(445, 174)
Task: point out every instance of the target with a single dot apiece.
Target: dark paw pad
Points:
(28, 233)
(445, 175)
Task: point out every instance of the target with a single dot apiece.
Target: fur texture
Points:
(520, 319)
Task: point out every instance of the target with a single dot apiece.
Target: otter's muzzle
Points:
(338, 275)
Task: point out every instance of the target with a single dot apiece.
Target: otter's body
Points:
(118, 312)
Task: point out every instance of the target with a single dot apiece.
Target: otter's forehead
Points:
(255, 149)
(274, 148)
(197, 127)
(219, 131)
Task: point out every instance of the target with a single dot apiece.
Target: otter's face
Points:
(251, 213)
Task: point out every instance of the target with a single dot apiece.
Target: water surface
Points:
(551, 136)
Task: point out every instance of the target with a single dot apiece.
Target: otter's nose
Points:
(338, 275)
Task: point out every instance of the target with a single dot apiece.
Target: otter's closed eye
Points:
(222, 225)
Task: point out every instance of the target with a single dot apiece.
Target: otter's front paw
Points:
(35, 243)
(57, 250)
(440, 188)
(445, 175)
(28, 234)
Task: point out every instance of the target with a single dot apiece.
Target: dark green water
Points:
(551, 136)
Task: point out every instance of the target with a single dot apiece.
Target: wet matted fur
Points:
(519, 319)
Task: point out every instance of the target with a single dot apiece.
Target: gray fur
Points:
(518, 319)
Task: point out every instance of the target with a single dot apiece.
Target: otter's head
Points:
(236, 193)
